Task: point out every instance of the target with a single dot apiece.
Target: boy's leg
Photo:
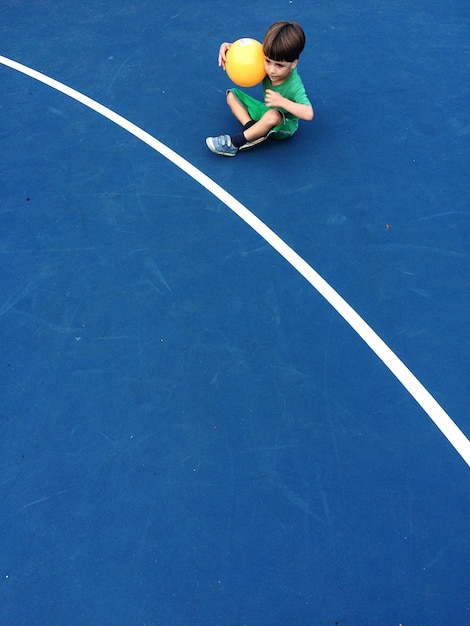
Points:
(260, 128)
(269, 120)
(238, 109)
(253, 132)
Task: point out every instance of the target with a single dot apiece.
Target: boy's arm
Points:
(275, 100)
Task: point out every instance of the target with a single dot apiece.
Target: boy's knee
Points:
(272, 117)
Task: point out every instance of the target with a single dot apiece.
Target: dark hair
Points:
(284, 41)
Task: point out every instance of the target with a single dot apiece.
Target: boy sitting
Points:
(285, 99)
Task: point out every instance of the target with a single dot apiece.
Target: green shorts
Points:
(257, 109)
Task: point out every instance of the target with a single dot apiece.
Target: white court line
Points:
(422, 396)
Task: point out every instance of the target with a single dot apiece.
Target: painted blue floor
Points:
(189, 433)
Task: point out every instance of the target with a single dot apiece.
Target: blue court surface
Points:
(192, 431)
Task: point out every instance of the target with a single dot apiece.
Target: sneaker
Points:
(252, 144)
(221, 145)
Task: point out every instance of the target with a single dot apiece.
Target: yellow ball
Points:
(245, 62)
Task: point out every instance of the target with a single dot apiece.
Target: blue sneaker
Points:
(221, 145)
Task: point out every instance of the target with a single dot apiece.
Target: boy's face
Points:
(278, 71)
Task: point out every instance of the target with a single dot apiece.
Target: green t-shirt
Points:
(292, 88)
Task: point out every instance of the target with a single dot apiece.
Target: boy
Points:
(285, 100)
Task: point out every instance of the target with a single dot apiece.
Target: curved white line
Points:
(442, 420)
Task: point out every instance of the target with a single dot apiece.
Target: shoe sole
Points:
(252, 144)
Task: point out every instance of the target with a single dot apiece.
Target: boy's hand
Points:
(223, 54)
(276, 101)
(273, 98)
